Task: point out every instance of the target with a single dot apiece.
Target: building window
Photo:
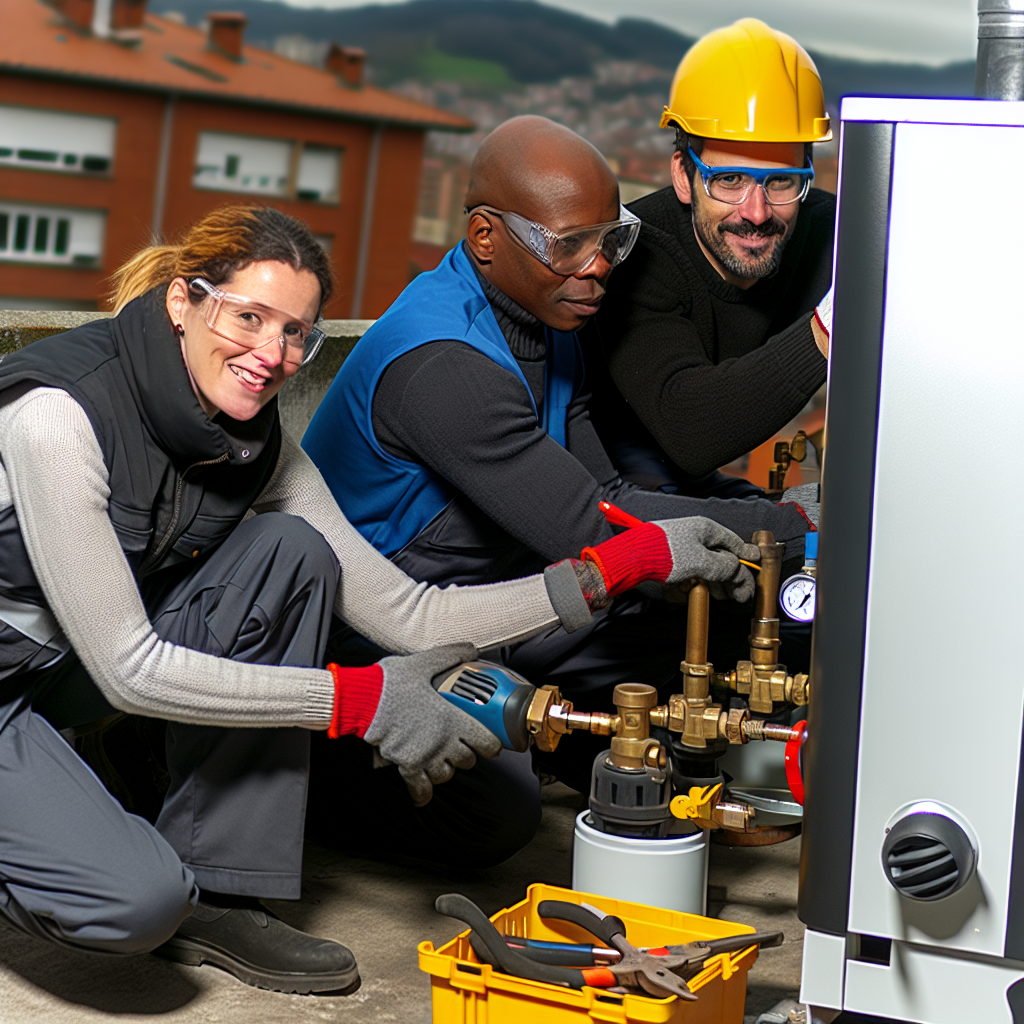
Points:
(51, 235)
(51, 141)
(240, 163)
(319, 176)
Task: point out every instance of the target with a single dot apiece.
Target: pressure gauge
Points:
(797, 597)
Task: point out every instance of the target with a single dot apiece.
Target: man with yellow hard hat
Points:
(708, 343)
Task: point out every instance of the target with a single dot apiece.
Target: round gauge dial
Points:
(797, 597)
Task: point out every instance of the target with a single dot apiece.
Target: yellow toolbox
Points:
(465, 991)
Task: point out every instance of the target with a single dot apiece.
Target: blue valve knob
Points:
(811, 545)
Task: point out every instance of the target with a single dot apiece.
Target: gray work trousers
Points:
(75, 868)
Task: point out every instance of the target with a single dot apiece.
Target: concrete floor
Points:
(381, 910)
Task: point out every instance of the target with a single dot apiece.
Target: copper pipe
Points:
(697, 611)
(766, 601)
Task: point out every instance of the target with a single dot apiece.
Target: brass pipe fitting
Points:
(692, 714)
(633, 746)
(539, 720)
(698, 609)
(768, 579)
(755, 729)
(733, 727)
(564, 719)
(659, 716)
(707, 809)
(798, 689)
(766, 676)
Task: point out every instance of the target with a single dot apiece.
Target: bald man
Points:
(457, 438)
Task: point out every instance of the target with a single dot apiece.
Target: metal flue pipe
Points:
(999, 74)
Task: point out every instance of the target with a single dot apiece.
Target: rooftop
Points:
(167, 57)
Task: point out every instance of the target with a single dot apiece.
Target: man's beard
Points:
(712, 235)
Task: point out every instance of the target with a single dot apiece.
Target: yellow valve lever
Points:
(691, 804)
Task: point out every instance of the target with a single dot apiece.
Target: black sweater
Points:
(525, 501)
(709, 371)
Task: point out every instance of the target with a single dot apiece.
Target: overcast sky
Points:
(930, 31)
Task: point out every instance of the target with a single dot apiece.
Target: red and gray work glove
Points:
(394, 706)
(669, 551)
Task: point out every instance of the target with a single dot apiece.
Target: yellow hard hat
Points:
(748, 82)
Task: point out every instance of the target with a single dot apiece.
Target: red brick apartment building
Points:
(117, 126)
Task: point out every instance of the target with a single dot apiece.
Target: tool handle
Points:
(586, 947)
(604, 928)
(732, 943)
(490, 946)
(617, 517)
(565, 957)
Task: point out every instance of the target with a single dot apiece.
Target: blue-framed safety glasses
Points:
(780, 185)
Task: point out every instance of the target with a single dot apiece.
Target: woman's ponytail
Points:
(156, 264)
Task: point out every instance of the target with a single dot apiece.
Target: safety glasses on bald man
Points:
(572, 251)
(254, 324)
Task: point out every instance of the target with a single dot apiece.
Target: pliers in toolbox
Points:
(567, 954)
(652, 974)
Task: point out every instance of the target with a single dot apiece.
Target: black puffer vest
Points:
(179, 482)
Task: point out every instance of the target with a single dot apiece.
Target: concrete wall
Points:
(299, 397)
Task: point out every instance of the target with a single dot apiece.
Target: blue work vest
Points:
(390, 500)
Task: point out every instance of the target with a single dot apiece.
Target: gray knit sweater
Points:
(54, 475)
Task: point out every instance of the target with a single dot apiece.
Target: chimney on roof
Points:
(226, 30)
(348, 63)
(78, 12)
(121, 20)
(127, 15)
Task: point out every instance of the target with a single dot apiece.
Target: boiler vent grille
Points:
(928, 856)
(922, 868)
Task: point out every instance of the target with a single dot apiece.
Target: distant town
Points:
(617, 108)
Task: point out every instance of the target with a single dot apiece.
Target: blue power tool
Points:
(496, 697)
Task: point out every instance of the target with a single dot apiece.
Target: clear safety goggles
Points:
(780, 185)
(571, 252)
(255, 324)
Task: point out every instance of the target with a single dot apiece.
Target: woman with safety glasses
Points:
(166, 550)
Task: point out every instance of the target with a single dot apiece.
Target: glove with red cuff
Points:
(394, 707)
(669, 551)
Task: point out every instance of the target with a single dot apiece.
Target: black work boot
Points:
(259, 949)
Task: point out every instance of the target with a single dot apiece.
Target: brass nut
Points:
(677, 712)
(744, 676)
(800, 689)
(538, 720)
(735, 817)
(734, 725)
(659, 716)
(760, 699)
(604, 724)
(777, 684)
(709, 721)
(655, 756)
(631, 753)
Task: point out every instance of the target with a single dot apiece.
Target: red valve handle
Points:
(794, 767)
